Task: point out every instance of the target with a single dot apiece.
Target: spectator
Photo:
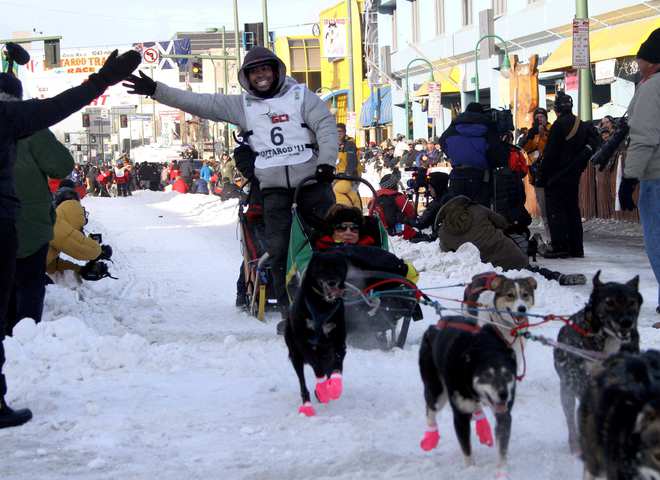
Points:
(199, 184)
(561, 167)
(471, 144)
(395, 209)
(643, 158)
(534, 143)
(121, 179)
(348, 162)
(37, 157)
(180, 185)
(205, 174)
(438, 183)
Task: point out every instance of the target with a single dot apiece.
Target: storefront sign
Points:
(351, 124)
(435, 101)
(581, 43)
(334, 38)
(605, 72)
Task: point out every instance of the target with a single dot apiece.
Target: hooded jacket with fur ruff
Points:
(229, 108)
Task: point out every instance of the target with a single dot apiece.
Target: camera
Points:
(97, 237)
(603, 155)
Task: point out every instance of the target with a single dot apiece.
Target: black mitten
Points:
(116, 68)
(142, 85)
(244, 158)
(325, 173)
(626, 190)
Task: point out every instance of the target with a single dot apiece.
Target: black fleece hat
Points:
(474, 107)
(339, 214)
(439, 181)
(650, 49)
(11, 85)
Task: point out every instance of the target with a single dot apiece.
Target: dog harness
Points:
(319, 319)
(458, 325)
(276, 130)
(479, 284)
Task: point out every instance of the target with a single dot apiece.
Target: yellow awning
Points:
(449, 81)
(610, 42)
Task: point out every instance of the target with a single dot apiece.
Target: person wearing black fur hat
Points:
(643, 155)
(20, 119)
(438, 183)
(288, 134)
(560, 170)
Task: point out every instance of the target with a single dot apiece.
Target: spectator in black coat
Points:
(20, 119)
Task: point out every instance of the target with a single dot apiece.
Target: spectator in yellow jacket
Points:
(68, 238)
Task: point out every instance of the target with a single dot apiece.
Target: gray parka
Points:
(229, 108)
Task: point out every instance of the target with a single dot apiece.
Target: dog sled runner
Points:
(379, 309)
(256, 290)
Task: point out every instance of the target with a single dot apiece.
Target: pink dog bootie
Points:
(430, 440)
(321, 390)
(335, 386)
(484, 432)
(307, 409)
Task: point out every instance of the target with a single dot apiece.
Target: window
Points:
(466, 8)
(499, 7)
(395, 33)
(439, 17)
(416, 26)
(306, 61)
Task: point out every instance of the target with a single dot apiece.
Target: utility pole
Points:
(226, 87)
(264, 4)
(351, 88)
(584, 92)
(236, 39)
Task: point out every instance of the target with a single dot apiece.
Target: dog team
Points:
(475, 360)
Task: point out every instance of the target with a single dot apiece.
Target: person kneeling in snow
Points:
(462, 220)
(68, 238)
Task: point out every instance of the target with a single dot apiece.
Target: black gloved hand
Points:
(93, 271)
(116, 68)
(626, 190)
(325, 173)
(422, 237)
(142, 85)
(244, 158)
(106, 252)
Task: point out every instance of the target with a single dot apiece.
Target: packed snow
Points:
(159, 375)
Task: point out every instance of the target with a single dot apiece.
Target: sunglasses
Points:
(342, 227)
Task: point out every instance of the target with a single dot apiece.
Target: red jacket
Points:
(326, 241)
(174, 173)
(180, 186)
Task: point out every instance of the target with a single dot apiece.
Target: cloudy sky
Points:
(89, 23)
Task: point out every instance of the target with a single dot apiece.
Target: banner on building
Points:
(334, 38)
(605, 72)
(152, 53)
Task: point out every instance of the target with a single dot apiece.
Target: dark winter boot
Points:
(572, 279)
(13, 418)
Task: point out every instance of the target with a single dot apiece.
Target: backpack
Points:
(518, 161)
(389, 212)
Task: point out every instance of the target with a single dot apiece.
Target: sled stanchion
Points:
(403, 334)
(262, 303)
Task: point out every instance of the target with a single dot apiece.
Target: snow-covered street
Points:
(159, 375)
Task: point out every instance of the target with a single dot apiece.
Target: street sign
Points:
(605, 72)
(104, 114)
(351, 124)
(150, 55)
(581, 43)
(435, 101)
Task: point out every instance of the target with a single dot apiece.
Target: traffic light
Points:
(123, 121)
(197, 72)
(85, 120)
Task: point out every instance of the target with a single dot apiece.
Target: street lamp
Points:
(333, 109)
(407, 97)
(506, 65)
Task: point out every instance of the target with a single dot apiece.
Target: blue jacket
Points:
(205, 173)
(466, 141)
(200, 186)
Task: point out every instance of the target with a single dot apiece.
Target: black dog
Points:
(619, 418)
(468, 366)
(607, 325)
(316, 331)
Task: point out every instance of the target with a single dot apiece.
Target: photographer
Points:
(68, 238)
(643, 158)
(471, 144)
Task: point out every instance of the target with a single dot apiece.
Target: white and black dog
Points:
(469, 367)
(503, 302)
(315, 332)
